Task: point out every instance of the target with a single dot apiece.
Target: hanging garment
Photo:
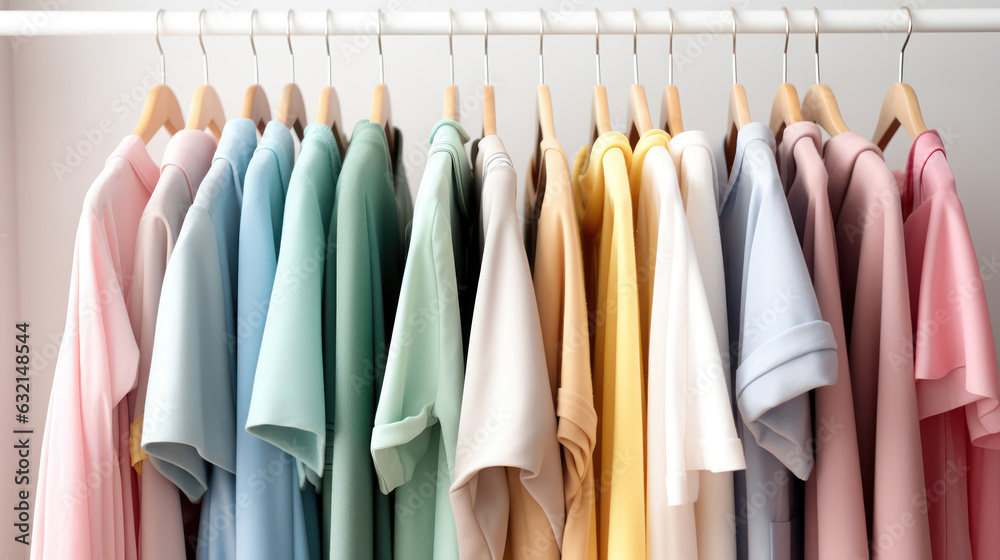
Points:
(690, 425)
(508, 490)
(416, 421)
(188, 156)
(295, 315)
(834, 500)
(606, 217)
(366, 261)
(189, 426)
(783, 349)
(276, 517)
(87, 427)
(864, 201)
(553, 239)
(958, 385)
(694, 160)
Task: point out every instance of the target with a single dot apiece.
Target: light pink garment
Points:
(958, 385)
(84, 505)
(185, 162)
(508, 491)
(865, 205)
(835, 508)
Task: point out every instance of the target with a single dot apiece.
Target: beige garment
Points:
(508, 492)
(553, 239)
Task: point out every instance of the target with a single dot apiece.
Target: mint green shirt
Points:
(416, 422)
(365, 254)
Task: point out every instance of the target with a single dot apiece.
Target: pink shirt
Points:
(958, 385)
(185, 162)
(84, 506)
(865, 205)
(835, 507)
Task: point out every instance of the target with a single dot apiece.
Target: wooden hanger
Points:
(329, 103)
(489, 104)
(291, 104)
(544, 117)
(161, 109)
(638, 121)
(786, 108)
(739, 108)
(820, 105)
(670, 107)
(255, 105)
(206, 107)
(451, 92)
(600, 115)
(900, 106)
(381, 111)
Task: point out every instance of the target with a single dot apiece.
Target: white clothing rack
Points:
(575, 21)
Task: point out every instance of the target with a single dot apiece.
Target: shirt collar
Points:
(449, 136)
(589, 177)
(839, 155)
(190, 151)
(133, 150)
(278, 139)
(677, 147)
(913, 189)
(794, 133)
(648, 140)
(750, 133)
(236, 147)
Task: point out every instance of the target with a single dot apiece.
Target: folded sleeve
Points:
(190, 417)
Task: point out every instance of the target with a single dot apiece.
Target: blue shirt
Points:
(271, 521)
(189, 427)
(781, 348)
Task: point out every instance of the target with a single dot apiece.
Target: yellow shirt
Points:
(605, 210)
(553, 240)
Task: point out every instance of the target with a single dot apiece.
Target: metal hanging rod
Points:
(31, 23)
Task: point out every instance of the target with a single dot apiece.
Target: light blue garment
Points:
(190, 423)
(782, 349)
(271, 520)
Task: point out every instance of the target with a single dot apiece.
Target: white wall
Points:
(55, 90)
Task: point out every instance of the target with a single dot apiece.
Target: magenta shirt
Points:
(958, 384)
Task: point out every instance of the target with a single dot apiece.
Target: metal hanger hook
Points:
(597, 42)
(816, 40)
(288, 35)
(163, 58)
(381, 61)
(253, 48)
(733, 12)
(486, 44)
(451, 43)
(541, 45)
(635, 46)
(784, 54)
(670, 49)
(204, 55)
(329, 59)
(909, 30)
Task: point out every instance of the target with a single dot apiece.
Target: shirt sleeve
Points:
(290, 366)
(190, 418)
(425, 367)
(955, 359)
(96, 367)
(786, 348)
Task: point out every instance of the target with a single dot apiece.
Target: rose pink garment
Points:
(185, 162)
(865, 205)
(958, 385)
(84, 506)
(835, 508)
